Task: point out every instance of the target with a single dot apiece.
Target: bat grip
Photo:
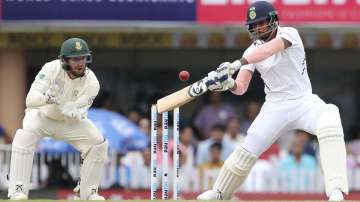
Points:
(236, 65)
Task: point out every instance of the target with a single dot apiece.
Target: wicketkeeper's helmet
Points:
(74, 47)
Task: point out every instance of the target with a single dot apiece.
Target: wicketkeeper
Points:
(56, 106)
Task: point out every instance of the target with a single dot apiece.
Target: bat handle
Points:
(236, 65)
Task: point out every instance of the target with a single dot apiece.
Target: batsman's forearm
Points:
(242, 82)
(239, 88)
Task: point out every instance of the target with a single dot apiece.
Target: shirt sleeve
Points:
(290, 34)
(36, 95)
(250, 67)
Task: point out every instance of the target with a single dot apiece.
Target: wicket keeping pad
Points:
(92, 169)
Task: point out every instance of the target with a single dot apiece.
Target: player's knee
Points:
(25, 139)
(256, 142)
(328, 123)
(98, 152)
(240, 161)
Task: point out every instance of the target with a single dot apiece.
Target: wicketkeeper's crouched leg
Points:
(22, 155)
(231, 176)
(92, 170)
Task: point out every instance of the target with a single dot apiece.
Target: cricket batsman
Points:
(56, 107)
(278, 54)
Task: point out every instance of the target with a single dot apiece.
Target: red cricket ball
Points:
(184, 75)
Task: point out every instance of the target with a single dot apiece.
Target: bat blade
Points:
(181, 97)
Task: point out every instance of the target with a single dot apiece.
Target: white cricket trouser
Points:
(82, 134)
(277, 118)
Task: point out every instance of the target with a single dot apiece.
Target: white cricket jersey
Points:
(284, 73)
(82, 90)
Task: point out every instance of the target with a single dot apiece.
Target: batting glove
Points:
(212, 82)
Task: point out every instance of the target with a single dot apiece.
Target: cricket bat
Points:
(182, 96)
(189, 93)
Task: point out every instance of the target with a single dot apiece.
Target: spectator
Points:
(354, 144)
(296, 164)
(134, 116)
(216, 112)
(353, 150)
(285, 141)
(144, 125)
(216, 135)
(183, 157)
(135, 172)
(209, 169)
(233, 134)
(104, 101)
(187, 143)
(252, 109)
(4, 138)
(351, 159)
(187, 160)
(309, 147)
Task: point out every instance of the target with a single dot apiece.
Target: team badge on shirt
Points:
(41, 76)
(75, 93)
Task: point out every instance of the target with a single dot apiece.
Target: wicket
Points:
(165, 143)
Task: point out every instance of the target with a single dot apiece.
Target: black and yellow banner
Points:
(95, 40)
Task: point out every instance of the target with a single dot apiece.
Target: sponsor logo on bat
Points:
(197, 89)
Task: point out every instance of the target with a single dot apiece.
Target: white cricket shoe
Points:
(210, 195)
(336, 195)
(93, 197)
(96, 197)
(18, 196)
(76, 191)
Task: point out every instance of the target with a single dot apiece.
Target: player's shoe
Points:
(96, 197)
(18, 196)
(93, 197)
(19, 193)
(210, 195)
(76, 191)
(336, 195)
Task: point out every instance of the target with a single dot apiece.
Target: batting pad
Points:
(330, 134)
(234, 172)
(92, 169)
(22, 155)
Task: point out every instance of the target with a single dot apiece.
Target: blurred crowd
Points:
(207, 139)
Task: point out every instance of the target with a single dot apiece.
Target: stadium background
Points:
(139, 46)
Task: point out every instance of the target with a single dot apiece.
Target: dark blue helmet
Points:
(258, 12)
